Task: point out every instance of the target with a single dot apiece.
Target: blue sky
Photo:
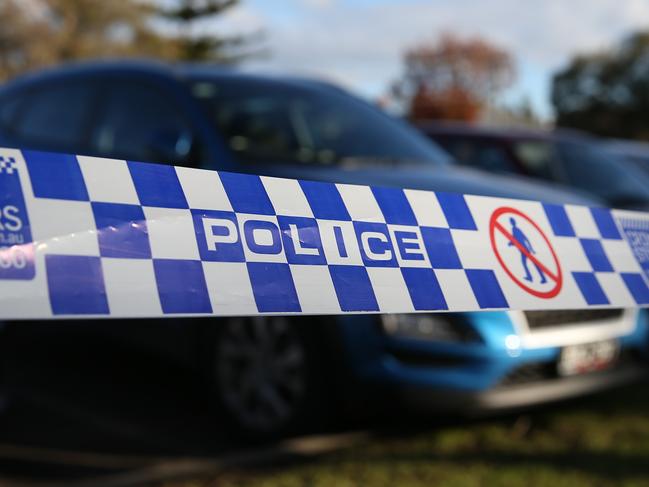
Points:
(358, 43)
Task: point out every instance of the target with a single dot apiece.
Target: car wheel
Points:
(265, 375)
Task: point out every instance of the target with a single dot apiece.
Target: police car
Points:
(270, 375)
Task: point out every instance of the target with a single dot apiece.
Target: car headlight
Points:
(433, 327)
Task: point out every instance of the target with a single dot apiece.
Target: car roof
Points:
(463, 128)
(458, 129)
(150, 67)
(628, 147)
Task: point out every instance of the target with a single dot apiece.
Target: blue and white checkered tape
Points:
(83, 236)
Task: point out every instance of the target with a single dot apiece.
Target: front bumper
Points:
(502, 398)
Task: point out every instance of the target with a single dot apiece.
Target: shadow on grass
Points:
(552, 441)
(605, 465)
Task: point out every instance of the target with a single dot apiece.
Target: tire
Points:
(266, 376)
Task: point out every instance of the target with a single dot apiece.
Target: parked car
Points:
(567, 158)
(632, 151)
(269, 374)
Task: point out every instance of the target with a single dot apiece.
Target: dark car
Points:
(222, 119)
(567, 158)
(269, 374)
(632, 151)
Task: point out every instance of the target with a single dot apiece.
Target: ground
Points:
(599, 441)
(88, 410)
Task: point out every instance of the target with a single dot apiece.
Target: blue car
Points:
(270, 375)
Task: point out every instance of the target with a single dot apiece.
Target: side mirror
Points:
(170, 146)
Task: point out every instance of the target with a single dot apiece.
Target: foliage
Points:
(453, 78)
(39, 33)
(203, 46)
(606, 92)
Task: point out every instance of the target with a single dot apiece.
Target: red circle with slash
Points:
(556, 276)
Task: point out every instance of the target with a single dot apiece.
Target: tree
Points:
(606, 92)
(519, 113)
(194, 45)
(45, 32)
(21, 45)
(453, 78)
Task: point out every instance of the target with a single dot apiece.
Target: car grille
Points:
(540, 371)
(542, 319)
(534, 372)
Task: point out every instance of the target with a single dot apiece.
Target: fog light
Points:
(426, 327)
(513, 345)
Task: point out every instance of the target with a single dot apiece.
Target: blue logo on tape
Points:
(636, 231)
(16, 246)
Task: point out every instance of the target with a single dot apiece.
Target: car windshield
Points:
(271, 122)
(485, 154)
(589, 167)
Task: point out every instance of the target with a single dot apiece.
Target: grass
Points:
(600, 441)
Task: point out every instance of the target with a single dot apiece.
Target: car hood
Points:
(445, 178)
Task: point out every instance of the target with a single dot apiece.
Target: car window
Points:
(54, 116)
(615, 180)
(9, 110)
(139, 121)
(482, 154)
(639, 161)
(536, 157)
(272, 122)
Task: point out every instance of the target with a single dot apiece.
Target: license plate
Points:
(588, 357)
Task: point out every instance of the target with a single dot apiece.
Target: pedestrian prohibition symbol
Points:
(525, 253)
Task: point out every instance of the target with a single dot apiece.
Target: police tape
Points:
(91, 237)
